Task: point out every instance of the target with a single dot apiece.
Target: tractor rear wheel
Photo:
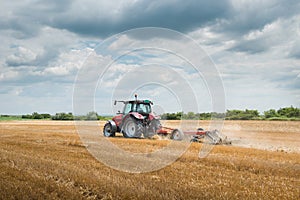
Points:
(108, 131)
(132, 128)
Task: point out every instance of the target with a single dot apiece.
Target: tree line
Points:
(65, 116)
(287, 113)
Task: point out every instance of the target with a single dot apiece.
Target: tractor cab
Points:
(136, 119)
(139, 109)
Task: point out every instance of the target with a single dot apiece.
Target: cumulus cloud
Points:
(8, 75)
(68, 62)
(22, 56)
(272, 35)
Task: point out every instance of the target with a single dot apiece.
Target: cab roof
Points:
(146, 101)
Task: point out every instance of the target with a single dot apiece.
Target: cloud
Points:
(52, 56)
(8, 75)
(68, 63)
(253, 15)
(103, 18)
(37, 51)
(25, 19)
(295, 49)
(164, 84)
(22, 56)
(271, 36)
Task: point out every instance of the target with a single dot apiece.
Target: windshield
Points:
(143, 108)
(140, 108)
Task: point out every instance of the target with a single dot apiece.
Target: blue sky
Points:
(255, 45)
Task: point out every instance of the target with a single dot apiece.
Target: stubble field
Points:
(46, 160)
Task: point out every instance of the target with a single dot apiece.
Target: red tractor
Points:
(136, 120)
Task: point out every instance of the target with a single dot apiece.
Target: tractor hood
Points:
(141, 116)
(138, 115)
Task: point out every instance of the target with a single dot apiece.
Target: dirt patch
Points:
(265, 135)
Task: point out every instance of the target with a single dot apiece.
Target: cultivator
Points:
(200, 135)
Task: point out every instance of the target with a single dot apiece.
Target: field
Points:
(46, 160)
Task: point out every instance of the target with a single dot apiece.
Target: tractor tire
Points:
(177, 135)
(132, 128)
(108, 130)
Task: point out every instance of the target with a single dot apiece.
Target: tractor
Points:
(136, 120)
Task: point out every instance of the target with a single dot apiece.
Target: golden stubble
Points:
(47, 160)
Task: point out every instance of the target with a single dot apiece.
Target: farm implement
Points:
(200, 135)
(137, 120)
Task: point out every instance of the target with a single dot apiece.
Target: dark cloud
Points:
(23, 27)
(256, 18)
(254, 15)
(295, 50)
(26, 18)
(95, 20)
(251, 47)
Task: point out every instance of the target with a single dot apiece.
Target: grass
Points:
(47, 161)
(16, 118)
(10, 117)
(283, 119)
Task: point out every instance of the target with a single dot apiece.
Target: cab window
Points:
(127, 108)
(143, 108)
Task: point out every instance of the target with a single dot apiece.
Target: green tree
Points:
(92, 116)
(27, 116)
(205, 116)
(190, 115)
(63, 116)
(289, 112)
(242, 115)
(172, 116)
(271, 113)
(46, 116)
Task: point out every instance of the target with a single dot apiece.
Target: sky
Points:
(50, 50)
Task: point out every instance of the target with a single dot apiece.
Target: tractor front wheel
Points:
(108, 131)
(132, 128)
